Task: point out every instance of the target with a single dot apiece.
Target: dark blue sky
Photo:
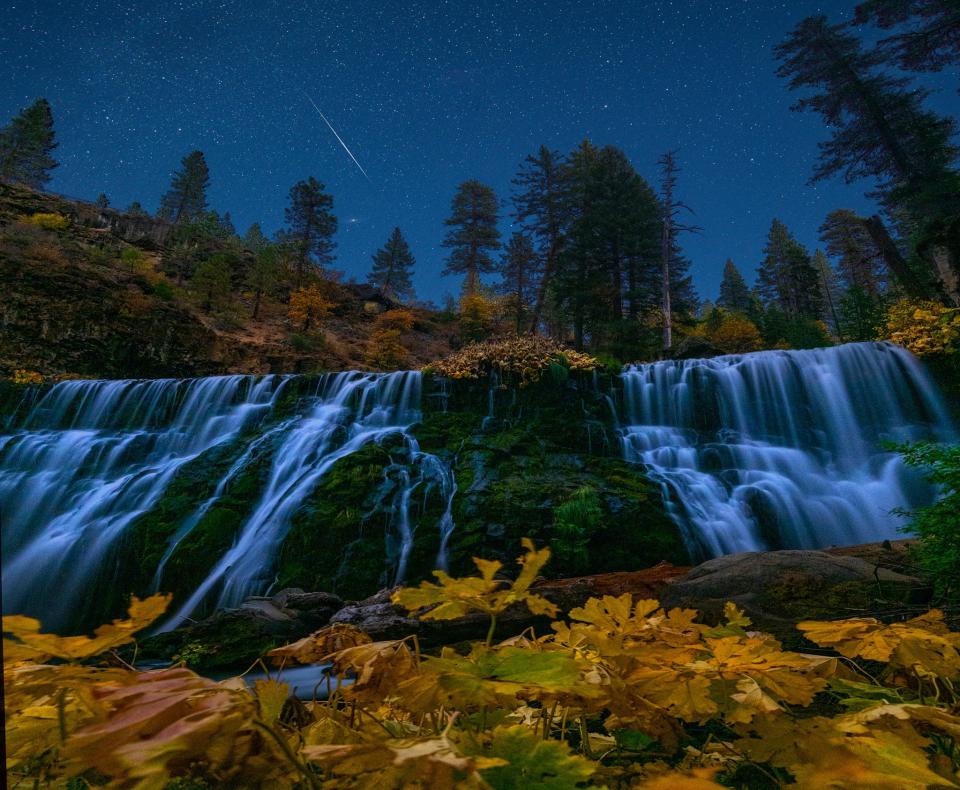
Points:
(427, 95)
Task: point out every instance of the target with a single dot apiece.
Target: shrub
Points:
(923, 327)
(573, 522)
(938, 525)
(27, 377)
(308, 307)
(47, 221)
(525, 358)
(736, 335)
(476, 317)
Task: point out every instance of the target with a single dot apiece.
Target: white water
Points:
(783, 448)
(93, 456)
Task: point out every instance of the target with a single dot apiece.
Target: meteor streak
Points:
(339, 139)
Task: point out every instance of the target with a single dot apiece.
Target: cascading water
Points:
(91, 457)
(783, 449)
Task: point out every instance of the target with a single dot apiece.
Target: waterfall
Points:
(783, 449)
(88, 458)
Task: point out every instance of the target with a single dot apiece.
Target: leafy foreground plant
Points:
(623, 694)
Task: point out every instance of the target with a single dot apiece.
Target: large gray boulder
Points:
(777, 589)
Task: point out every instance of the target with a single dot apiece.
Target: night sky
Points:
(427, 95)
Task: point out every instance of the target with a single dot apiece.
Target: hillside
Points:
(87, 295)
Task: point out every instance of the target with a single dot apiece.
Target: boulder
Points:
(382, 620)
(777, 589)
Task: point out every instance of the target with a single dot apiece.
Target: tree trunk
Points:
(894, 260)
(665, 274)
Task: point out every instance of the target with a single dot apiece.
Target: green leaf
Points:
(532, 762)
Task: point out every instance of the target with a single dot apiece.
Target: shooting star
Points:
(340, 139)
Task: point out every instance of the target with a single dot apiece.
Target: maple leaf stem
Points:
(493, 625)
(288, 754)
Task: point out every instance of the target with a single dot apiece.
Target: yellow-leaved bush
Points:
(525, 357)
(923, 326)
(620, 693)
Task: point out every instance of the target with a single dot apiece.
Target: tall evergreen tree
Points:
(540, 206)
(254, 239)
(734, 291)
(187, 196)
(880, 129)
(830, 291)
(929, 38)
(264, 274)
(848, 241)
(787, 278)
(136, 210)
(672, 228)
(392, 268)
(519, 268)
(26, 146)
(102, 201)
(311, 225)
(473, 234)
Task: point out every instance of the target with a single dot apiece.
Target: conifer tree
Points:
(929, 36)
(540, 206)
(880, 129)
(847, 241)
(102, 201)
(787, 278)
(187, 196)
(254, 239)
(26, 146)
(264, 274)
(671, 229)
(473, 234)
(311, 225)
(392, 268)
(830, 292)
(211, 282)
(136, 210)
(518, 272)
(734, 291)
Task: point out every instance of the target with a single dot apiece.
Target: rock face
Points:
(777, 589)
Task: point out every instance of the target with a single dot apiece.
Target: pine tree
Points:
(392, 268)
(311, 225)
(880, 129)
(102, 201)
(848, 241)
(211, 282)
(254, 239)
(734, 291)
(830, 292)
(187, 196)
(672, 228)
(540, 206)
(473, 234)
(787, 277)
(136, 210)
(26, 146)
(265, 273)
(518, 272)
(931, 39)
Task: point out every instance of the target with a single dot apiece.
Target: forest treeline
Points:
(596, 255)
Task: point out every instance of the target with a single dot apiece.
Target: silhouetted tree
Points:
(787, 278)
(311, 225)
(734, 291)
(672, 228)
(859, 262)
(102, 201)
(929, 36)
(393, 267)
(187, 196)
(26, 146)
(519, 267)
(473, 234)
(540, 206)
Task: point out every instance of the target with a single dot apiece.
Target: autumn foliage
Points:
(923, 327)
(308, 307)
(524, 357)
(620, 694)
